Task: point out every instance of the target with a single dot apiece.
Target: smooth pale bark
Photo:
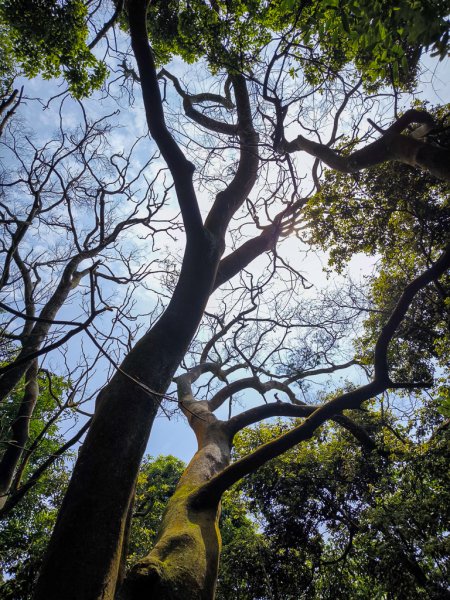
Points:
(393, 145)
(184, 562)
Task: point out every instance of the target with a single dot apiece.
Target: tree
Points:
(49, 38)
(403, 217)
(269, 59)
(26, 529)
(344, 522)
(26, 526)
(65, 191)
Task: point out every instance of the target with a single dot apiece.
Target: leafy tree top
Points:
(382, 39)
(49, 37)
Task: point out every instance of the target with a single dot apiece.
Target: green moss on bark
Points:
(184, 562)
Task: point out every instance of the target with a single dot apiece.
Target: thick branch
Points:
(180, 168)
(225, 101)
(266, 411)
(184, 382)
(27, 294)
(399, 312)
(263, 387)
(196, 115)
(213, 490)
(392, 146)
(286, 409)
(229, 200)
(10, 100)
(206, 121)
(107, 26)
(234, 387)
(240, 258)
(320, 371)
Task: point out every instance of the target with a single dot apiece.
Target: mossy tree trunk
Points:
(184, 561)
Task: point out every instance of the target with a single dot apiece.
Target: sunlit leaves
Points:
(48, 37)
(402, 217)
(383, 40)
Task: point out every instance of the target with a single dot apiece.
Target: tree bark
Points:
(83, 556)
(91, 522)
(393, 145)
(184, 562)
(19, 431)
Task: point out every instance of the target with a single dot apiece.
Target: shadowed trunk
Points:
(83, 557)
(20, 429)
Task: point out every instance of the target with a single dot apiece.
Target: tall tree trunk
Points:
(183, 564)
(83, 557)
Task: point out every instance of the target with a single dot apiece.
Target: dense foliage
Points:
(384, 41)
(48, 37)
(340, 522)
(328, 518)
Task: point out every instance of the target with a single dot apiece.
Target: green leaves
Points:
(156, 483)
(383, 41)
(402, 216)
(48, 37)
(227, 34)
(339, 522)
(25, 530)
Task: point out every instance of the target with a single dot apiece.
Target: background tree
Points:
(50, 38)
(403, 218)
(25, 529)
(61, 220)
(340, 521)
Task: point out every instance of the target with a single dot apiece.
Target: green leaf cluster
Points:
(49, 37)
(383, 40)
(156, 483)
(228, 34)
(341, 522)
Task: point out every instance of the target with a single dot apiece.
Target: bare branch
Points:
(212, 490)
(180, 168)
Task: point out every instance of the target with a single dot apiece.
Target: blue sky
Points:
(171, 436)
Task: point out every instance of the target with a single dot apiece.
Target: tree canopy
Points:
(49, 38)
